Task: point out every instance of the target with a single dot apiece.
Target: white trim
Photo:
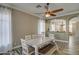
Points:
(13, 7)
(62, 41)
(11, 36)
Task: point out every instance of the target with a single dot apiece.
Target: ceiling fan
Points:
(48, 12)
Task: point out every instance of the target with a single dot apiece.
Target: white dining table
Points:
(36, 43)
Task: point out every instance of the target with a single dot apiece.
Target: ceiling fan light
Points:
(47, 15)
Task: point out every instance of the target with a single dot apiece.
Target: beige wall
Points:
(22, 23)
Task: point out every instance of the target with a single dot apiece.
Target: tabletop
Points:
(39, 42)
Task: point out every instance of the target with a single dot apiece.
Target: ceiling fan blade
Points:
(38, 13)
(57, 10)
(52, 14)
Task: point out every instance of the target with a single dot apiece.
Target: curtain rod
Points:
(6, 7)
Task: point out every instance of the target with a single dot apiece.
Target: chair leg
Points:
(56, 46)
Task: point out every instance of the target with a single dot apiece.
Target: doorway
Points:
(74, 36)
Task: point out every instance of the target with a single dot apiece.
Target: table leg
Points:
(27, 50)
(36, 50)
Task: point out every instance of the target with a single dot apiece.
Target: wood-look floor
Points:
(72, 48)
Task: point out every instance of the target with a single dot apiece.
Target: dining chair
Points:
(51, 36)
(26, 49)
(36, 36)
(28, 36)
(43, 34)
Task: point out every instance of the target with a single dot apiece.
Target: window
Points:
(58, 25)
(41, 26)
(5, 29)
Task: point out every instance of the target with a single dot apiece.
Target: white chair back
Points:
(43, 34)
(27, 36)
(36, 36)
(26, 50)
(24, 46)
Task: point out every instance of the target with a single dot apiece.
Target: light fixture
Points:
(47, 15)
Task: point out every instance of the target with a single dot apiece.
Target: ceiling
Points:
(31, 8)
